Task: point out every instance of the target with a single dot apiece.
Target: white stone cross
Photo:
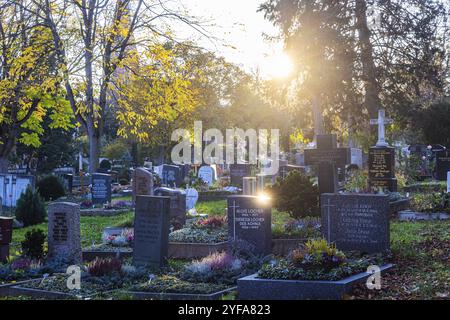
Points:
(381, 121)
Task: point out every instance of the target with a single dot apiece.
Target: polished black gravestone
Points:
(101, 188)
(382, 168)
(357, 222)
(171, 175)
(151, 231)
(250, 220)
(328, 158)
(442, 164)
(238, 172)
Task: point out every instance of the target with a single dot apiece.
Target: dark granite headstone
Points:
(171, 176)
(238, 172)
(6, 229)
(442, 164)
(329, 159)
(177, 205)
(64, 235)
(250, 220)
(327, 177)
(151, 231)
(382, 168)
(101, 188)
(357, 222)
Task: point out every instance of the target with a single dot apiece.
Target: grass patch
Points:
(91, 230)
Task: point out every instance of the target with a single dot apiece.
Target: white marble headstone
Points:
(448, 182)
(191, 198)
(206, 173)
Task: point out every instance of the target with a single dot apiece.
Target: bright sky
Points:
(240, 31)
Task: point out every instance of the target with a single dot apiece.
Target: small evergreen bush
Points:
(33, 245)
(30, 208)
(50, 188)
(296, 195)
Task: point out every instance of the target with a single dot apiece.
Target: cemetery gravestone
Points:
(151, 231)
(142, 183)
(328, 158)
(177, 205)
(382, 159)
(250, 220)
(238, 172)
(249, 186)
(357, 157)
(12, 186)
(448, 182)
(101, 188)
(206, 173)
(300, 159)
(191, 198)
(6, 229)
(356, 221)
(442, 164)
(170, 176)
(64, 235)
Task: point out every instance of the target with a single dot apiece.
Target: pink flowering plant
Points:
(124, 239)
(218, 267)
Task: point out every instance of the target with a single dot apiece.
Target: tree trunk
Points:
(94, 151)
(372, 90)
(317, 116)
(4, 164)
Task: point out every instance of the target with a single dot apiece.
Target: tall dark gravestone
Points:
(238, 172)
(250, 220)
(151, 231)
(382, 159)
(177, 205)
(382, 168)
(101, 188)
(64, 235)
(357, 222)
(6, 229)
(171, 176)
(328, 158)
(442, 164)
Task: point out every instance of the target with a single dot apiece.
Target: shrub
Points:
(296, 195)
(30, 208)
(102, 267)
(105, 164)
(50, 188)
(357, 181)
(33, 245)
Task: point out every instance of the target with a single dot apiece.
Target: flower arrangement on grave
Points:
(86, 204)
(308, 227)
(318, 260)
(118, 205)
(210, 223)
(209, 230)
(218, 267)
(124, 239)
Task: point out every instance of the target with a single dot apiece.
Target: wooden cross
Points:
(381, 122)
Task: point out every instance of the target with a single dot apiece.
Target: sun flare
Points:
(278, 66)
